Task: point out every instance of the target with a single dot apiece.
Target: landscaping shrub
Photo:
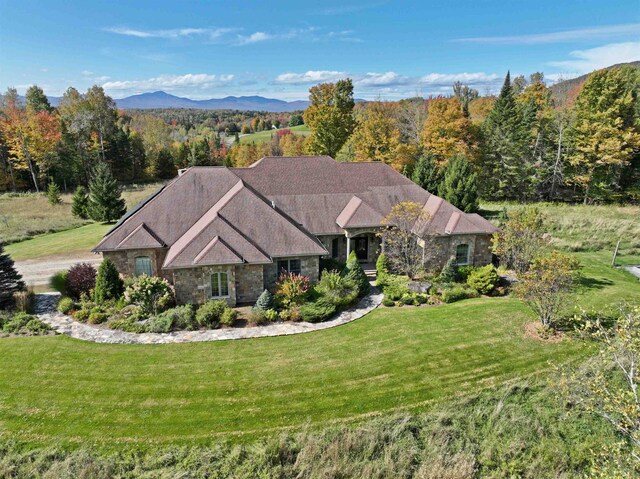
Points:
(388, 302)
(128, 325)
(449, 271)
(458, 292)
(408, 299)
(163, 323)
(228, 317)
(331, 264)
(82, 314)
(178, 318)
(337, 289)
(292, 314)
(36, 327)
(291, 289)
(396, 287)
(59, 282)
(258, 317)
(97, 317)
(463, 273)
(10, 280)
(382, 270)
(16, 322)
(65, 305)
(271, 315)
(484, 280)
(209, 314)
(152, 294)
(108, 282)
(317, 311)
(25, 301)
(353, 272)
(265, 301)
(80, 279)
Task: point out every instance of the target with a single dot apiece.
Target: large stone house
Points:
(216, 232)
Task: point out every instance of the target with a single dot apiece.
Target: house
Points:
(216, 232)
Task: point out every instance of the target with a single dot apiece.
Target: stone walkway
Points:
(63, 324)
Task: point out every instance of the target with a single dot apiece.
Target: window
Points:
(289, 266)
(335, 245)
(142, 265)
(462, 254)
(219, 285)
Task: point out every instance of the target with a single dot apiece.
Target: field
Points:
(25, 215)
(265, 136)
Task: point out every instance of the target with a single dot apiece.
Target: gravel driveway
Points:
(38, 271)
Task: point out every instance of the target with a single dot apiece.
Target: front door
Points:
(362, 248)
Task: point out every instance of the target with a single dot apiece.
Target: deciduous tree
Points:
(447, 130)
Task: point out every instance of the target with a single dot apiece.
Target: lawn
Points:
(60, 389)
(265, 136)
(25, 215)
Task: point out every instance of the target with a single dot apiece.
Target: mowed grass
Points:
(265, 136)
(25, 215)
(394, 359)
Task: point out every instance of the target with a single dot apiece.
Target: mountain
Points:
(564, 90)
(161, 99)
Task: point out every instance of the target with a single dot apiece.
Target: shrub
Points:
(80, 279)
(408, 299)
(337, 289)
(180, 317)
(128, 325)
(108, 282)
(82, 314)
(458, 292)
(484, 280)
(97, 317)
(317, 311)
(228, 317)
(382, 270)
(16, 323)
(396, 287)
(271, 315)
(36, 327)
(463, 273)
(59, 282)
(65, 305)
(353, 272)
(449, 271)
(265, 301)
(152, 294)
(331, 264)
(291, 289)
(292, 314)
(258, 317)
(25, 300)
(163, 323)
(209, 314)
(388, 303)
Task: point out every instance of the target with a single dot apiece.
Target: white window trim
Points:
(218, 274)
(466, 261)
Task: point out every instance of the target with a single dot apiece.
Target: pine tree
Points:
(265, 301)
(53, 193)
(449, 271)
(105, 200)
(427, 175)
(460, 185)
(108, 282)
(10, 280)
(354, 272)
(80, 203)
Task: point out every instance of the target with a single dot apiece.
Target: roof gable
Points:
(141, 238)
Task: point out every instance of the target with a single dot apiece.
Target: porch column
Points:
(348, 245)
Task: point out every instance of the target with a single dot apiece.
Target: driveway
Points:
(37, 272)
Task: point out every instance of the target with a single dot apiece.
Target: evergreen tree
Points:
(109, 285)
(265, 301)
(80, 203)
(426, 174)
(105, 200)
(53, 193)
(10, 279)
(502, 162)
(353, 272)
(460, 185)
(37, 100)
(449, 271)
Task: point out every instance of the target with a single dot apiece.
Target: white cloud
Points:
(311, 76)
(593, 33)
(383, 79)
(86, 73)
(174, 33)
(169, 82)
(479, 78)
(254, 38)
(585, 61)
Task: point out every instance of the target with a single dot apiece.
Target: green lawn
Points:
(63, 243)
(60, 389)
(265, 136)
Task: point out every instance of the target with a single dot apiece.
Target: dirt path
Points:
(37, 272)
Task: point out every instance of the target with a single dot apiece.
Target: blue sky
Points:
(392, 49)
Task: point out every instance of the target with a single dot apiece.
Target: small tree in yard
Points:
(10, 279)
(354, 273)
(109, 285)
(80, 279)
(544, 288)
(53, 194)
(105, 201)
(607, 385)
(398, 235)
(80, 203)
(265, 301)
(449, 271)
(521, 239)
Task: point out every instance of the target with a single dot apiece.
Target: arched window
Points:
(142, 265)
(462, 254)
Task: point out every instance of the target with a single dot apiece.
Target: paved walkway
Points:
(63, 324)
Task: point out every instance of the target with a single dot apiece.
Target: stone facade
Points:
(125, 261)
(249, 283)
(193, 285)
(441, 248)
(309, 267)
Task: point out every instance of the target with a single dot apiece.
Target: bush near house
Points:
(353, 272)
(108, 282)
(484, 280)
(317, 311)
(22, 324)
(336, 289)
(81, 279)
(65, 305)
(210, 313)
(151, 294)
(292, 289)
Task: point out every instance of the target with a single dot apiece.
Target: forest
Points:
(525, 144)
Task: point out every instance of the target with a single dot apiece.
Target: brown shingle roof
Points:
(215, 215)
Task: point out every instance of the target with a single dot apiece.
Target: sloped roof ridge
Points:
(249, 240)
(149, 231)
(206, 219)
(216, 240)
